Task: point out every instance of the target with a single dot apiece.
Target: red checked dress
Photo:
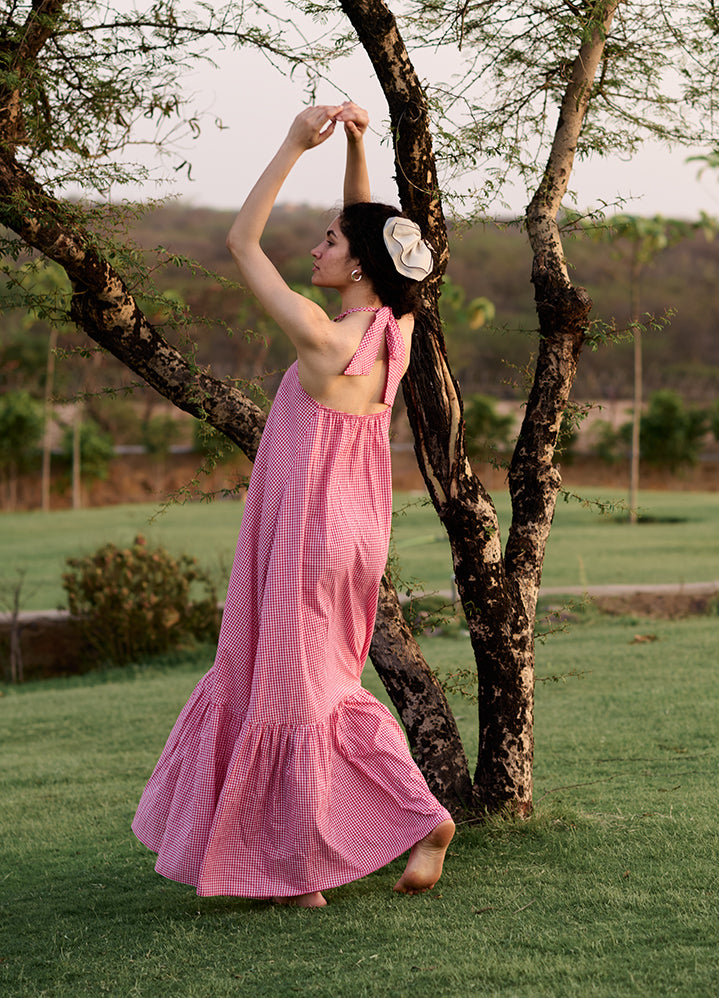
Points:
(282, 775)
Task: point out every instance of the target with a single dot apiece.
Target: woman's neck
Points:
(359, 297)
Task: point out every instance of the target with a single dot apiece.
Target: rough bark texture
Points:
(431, 727)
(499, 593)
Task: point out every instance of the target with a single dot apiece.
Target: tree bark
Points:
(420, 701)
(498, 593)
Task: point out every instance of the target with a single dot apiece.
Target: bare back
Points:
(322, 376)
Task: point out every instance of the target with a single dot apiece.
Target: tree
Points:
(544, 84)
(87, 449)
(671, 432)
(20, 430)
(638, 241)
(47, 282)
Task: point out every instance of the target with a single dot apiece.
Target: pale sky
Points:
(256, 104)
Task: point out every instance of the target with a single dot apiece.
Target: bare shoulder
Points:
(406, 327)
(406, 323)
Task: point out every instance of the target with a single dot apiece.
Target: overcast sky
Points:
(256, 104)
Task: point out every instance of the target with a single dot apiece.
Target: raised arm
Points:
(356, 185)
(300, 318)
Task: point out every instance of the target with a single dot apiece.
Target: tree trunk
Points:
(77, 457)
(421, 703)
(499, 594)
(636, 444)
(47, 421)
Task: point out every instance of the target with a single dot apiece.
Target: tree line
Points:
(488, 352)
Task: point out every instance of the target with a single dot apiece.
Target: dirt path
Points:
(659, 588)
(660, 601)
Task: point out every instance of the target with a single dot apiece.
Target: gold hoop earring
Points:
(356, 275)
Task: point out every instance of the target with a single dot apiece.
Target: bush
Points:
(671, 433)
(159, 433)
(488, 432)
(136, 601)
(21, 426)
(714, 420)
(96, 449)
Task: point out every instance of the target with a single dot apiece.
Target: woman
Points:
(282, 776)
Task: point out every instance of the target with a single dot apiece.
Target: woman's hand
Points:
(310, 128)
(355, 119)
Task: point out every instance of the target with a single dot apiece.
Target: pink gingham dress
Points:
(282, 775)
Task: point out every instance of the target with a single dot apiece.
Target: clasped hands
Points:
(315, 125)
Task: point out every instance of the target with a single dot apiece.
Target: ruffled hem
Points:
(236, 807)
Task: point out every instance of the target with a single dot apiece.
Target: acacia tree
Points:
(637, 242)
(557, 79)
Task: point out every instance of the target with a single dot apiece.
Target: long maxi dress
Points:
(282, 774)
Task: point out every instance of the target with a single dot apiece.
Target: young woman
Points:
(282, 776)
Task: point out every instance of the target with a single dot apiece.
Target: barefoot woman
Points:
(282, 776)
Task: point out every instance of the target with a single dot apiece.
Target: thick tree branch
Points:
(103, 307)
(497, 622)
(563, 312)
(544, 207)
(421, 704)
(21, 59)
(38, 27)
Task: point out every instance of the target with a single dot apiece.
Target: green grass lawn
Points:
(678, 543)
(610, 890)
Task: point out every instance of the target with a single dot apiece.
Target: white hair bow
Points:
(410, 253)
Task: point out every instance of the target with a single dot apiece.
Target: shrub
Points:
(96, 449)
(488, 431)
(714, 420)
(159, 433)
(671, 433)
(137, 601)
(21, 425)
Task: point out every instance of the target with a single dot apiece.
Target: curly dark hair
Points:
(362, 224)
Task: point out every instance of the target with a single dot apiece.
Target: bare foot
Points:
(424, 866)
(314, 900)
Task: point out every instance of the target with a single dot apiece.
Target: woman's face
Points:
(332, 262)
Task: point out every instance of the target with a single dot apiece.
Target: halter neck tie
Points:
(363, 361)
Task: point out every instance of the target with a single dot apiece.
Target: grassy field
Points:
(678, 542)
(610, 890)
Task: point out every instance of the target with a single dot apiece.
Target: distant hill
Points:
(492, 261)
